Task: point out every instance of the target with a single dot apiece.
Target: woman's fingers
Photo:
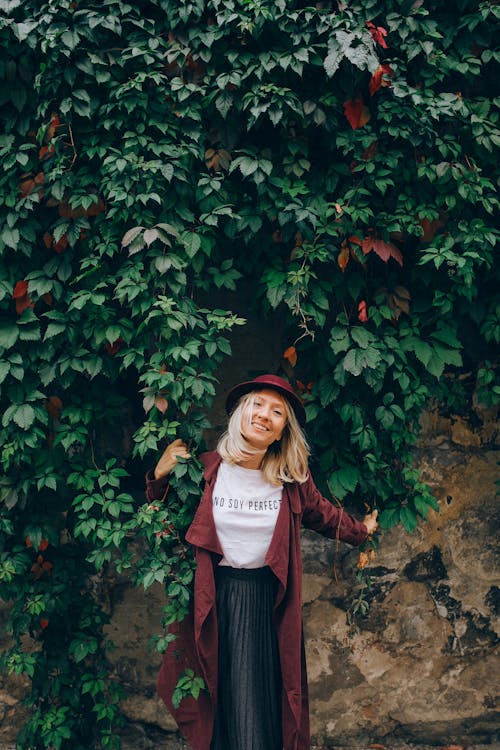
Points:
(370, 521)
(169, 458)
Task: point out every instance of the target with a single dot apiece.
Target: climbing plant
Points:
(337, 156)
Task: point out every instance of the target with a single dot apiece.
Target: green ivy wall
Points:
(338, 156)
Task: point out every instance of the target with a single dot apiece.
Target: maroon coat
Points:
(196, 642)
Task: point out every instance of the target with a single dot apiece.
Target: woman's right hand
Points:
(173, 451)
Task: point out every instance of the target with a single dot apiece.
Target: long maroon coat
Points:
(196, 643)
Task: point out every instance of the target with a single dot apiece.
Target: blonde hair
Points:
(284, 461)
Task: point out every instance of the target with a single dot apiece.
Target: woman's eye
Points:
(278, 412)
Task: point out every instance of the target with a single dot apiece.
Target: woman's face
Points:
(264, 419)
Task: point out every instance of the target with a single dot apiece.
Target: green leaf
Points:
(423, 351)
(9, 333)
(343, 481)
(435, 365)
(339, 340)
(275, 295)
(54, 329)
(70, 39)
(22, 414)
(10, 237)
(192, 243)
(361, 336)
(131, 235)
(408, 519)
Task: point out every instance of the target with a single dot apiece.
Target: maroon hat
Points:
(267, 381)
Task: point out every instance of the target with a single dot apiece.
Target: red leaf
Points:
(43, 623)
(291, 355)
(61, 245)
(45, 151)
(370, 151)
(115, 347)
(29, 183)
(362, 312)
(430, 227)
(40, 567)
(384, 250)
(20, 289)
(378, 80)
(343, 256)
(21, 296)
(161, 404)
(378, 34)
(303, 388)
(357, 112)
(55, 123)
(23, 303)
(54, 406)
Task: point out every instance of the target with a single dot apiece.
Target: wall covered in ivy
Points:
(336, 158)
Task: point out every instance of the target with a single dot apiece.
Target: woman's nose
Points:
(263, 411)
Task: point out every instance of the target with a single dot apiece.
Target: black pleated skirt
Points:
(249, 692)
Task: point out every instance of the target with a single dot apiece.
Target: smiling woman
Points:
(244, 634)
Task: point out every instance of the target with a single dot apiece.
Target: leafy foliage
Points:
(153, 153)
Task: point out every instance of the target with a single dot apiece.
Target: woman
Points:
(245, 633)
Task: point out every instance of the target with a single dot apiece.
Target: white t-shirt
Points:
(245, 509)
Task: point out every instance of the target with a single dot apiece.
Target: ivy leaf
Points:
(409, 519)
(131, 235)
(11, 237)
(356, 112)
(384, 250)
(9, 333)
(161, 404)
(339, 340)
(22, 414)
(361, 336)
(343, 481)
(333, 59)
(389, 517)
(423, 351)
(54, 329)
(149, 236)
(24, 29)
(435, 364)
(191, 242)
(328, 389)
(290, 354)
(164, 230)
(381, 77)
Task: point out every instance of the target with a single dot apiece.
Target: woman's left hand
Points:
(370, 521)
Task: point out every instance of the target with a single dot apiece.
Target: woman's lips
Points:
(260, 427)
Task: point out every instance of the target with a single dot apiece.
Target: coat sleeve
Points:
(329, 520)
(156, 489)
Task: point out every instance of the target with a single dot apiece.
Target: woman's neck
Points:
(253, 461)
